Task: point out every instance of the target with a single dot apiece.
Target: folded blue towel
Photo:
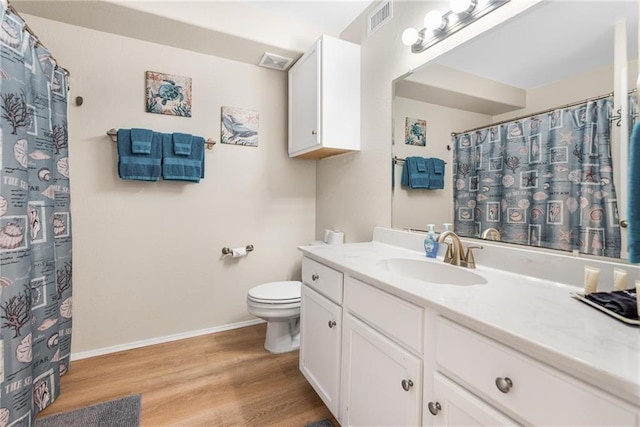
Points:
(620, 302)
(421, 164)
(634, 195)
(141, 141)
(143, 167)
(177, 167)
(182, 144)
(411, 176)
(436, 177)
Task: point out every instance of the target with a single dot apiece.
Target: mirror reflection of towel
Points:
(425, 173)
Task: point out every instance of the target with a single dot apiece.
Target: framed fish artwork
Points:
(239, 126)
(168, 94)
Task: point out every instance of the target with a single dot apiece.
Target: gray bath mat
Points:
(123, 412)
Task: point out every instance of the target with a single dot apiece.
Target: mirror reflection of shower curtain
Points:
(35, 225)
(546, 180)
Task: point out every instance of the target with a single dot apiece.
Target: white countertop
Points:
(537, 317)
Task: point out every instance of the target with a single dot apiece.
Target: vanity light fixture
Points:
(438, 26)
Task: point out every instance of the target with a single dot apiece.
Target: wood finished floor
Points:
(222, 379)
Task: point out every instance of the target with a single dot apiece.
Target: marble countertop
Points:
(537, 317)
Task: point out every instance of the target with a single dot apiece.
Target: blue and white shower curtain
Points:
(546, 180)
(35, 225)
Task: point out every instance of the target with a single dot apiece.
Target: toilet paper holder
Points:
(228, 251)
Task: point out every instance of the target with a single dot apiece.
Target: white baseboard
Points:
(160, 340)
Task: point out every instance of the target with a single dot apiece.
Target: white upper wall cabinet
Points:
(324, 100)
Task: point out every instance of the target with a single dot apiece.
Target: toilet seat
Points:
(276, 293)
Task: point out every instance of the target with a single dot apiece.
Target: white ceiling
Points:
(289, 24)
(241, 30)
(550, 42)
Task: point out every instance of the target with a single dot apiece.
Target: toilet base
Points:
(282, 335)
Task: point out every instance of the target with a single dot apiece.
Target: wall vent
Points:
(277, 62)
(380, 16)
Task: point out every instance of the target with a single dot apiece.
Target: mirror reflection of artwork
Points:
(239, 126)
(168, 94)
(415, 132)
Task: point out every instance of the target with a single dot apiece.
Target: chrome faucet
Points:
(456, 254)
(491, 234)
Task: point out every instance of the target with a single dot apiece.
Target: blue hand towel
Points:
(634, 195)
(141, 141)
(142, 167)
(417, 179)
(421, 164)
(436, 177)
(182, 144)
(183, 167)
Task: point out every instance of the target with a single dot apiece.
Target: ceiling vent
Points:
(380, 16)
(277, 62)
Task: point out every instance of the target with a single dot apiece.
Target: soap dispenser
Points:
(431, 243)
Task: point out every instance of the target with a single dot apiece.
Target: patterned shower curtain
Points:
(546, 181)
(35, 227)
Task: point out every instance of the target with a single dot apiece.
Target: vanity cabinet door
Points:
(320, 335)
(381, 384)
(454, 406)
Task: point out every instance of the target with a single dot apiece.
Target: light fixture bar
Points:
(454, 22)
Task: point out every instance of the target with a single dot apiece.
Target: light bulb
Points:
(434, 21)
(410, 36)
(462, 6)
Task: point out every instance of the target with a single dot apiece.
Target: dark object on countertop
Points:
(623, 303)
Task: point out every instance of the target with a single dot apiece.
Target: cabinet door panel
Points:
(304, 92)
(374, 368)
(320, 334)
(461, 408)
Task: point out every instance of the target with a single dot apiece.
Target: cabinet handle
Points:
(407, 384)
(332, 323)
(504, 384)
(434, 407)
(313, 132)
(314, 277)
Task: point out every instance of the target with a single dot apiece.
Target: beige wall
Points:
(147, 261)
(416, 208)
(354, 190)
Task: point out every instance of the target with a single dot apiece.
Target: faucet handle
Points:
(469, 260)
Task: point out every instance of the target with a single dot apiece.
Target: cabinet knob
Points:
(313, 132)
(314, 277)
(407, 384)
(624, 223)
(332, 323)
(434, 407)
(504, 384)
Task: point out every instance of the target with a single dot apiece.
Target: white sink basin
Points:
(432, 271)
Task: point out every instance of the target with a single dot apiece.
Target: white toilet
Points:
(279, 304)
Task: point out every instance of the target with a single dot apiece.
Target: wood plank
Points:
(221, 379)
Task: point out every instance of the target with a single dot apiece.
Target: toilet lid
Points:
(276, 291)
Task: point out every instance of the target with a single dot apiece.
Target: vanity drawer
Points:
(537, 394)
(323, 279)
(396, 318)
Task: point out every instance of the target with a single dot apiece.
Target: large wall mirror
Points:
(528, 101)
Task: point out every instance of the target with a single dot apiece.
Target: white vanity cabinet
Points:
(518, 386)
(456, 406)
(324, 100)
(321, 330)
(381, 374)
